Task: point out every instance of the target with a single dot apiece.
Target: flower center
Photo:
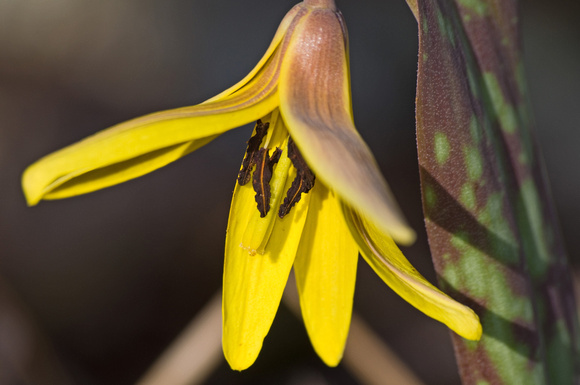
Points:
(264, 162)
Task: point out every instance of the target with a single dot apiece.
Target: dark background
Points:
(112, 277)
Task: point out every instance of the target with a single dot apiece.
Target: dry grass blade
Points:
(371, 361)
(194, 354)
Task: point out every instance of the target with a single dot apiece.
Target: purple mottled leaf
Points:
(491, 223)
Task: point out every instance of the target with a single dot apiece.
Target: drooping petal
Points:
(316, 106)
(379, 250)
(160, 133)
(259, 255)
(325, 269)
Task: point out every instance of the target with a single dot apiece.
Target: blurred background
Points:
(101, 284)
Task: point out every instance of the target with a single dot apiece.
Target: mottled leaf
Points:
(491, 224)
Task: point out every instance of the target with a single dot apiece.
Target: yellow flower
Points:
(316, 197)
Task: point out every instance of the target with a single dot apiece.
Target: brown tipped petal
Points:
(315, 103)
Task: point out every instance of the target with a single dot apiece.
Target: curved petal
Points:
(159, 131)
(315, 104)
(120, 172)
(379, 250)
(255, 274)
(325, 269)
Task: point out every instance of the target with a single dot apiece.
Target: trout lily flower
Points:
(309, 194)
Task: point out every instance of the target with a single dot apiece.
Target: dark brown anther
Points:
(275, 156)
(253, 146)
(303, 182)
(262, 176)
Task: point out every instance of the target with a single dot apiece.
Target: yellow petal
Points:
(390, 264)
(120, 172)
(325, 269)
(315, 103)
(168, 130)
(255, 274)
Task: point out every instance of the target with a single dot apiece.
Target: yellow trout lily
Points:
(309, 193)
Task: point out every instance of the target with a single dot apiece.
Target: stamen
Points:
(303, 182)
(269, 134)
(258, 231)
(262, 176)
(253, 145)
